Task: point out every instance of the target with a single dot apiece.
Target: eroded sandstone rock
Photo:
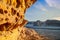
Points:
(12, 12)
(30, 34)
(12, 21)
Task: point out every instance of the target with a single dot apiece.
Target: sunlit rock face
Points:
(12, 21)
(12, 12)
(30, 34)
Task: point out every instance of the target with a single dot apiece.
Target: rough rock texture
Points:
(21, 33)
(12, 12)
(30, 34)
(12, 21)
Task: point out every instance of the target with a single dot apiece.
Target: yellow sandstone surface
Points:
(12, 21)
(9, 35)
(21, 34)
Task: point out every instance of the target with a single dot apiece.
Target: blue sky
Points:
(44, 10)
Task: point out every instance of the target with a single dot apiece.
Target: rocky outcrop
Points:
(30, 34)
(12, 21)
(12, 13)
(21, 33)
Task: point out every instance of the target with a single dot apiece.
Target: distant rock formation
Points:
(52, 23)
(34, 23)
(38, 23)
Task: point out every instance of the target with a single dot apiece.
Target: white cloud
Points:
(53, 3)
(39, 6)
(56, 18)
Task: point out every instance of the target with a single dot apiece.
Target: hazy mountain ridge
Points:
(45, 23)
